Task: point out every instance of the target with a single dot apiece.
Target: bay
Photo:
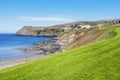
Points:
(10, 42)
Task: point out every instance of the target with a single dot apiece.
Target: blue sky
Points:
(14, 14)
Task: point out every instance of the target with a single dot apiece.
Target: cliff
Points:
(54, 30)
(39, 31)
(26, 30)
(57, 30)
(71, 35)
(76, 38)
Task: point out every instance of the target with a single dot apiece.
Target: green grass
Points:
(96, 61)
(111, 34)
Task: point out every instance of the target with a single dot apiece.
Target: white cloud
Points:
(62, 19)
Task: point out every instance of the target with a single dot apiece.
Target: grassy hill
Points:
(96, 61)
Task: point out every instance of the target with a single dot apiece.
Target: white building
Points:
(67, 28)
(84, 26)
(100, 25)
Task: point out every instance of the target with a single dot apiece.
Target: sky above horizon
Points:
(14, 14)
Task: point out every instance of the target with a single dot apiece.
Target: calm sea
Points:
(9, 43)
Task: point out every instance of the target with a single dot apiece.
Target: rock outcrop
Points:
(44, 48)
(75, 38)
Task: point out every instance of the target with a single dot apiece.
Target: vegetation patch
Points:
(111, 34)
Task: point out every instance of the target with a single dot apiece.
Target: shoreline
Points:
(38, 49)
(50, 46)
(46, 46)
(13, 62)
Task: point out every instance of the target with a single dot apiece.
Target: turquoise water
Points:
(9, 43)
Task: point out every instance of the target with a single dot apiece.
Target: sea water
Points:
(10, 42)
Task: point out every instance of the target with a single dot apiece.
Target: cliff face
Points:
(54, 30)
(70, 35)
(75, 38)
(57, 30)
(26, 30)
(38, 31)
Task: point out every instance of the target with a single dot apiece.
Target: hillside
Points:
(96, 61)
(56, 30)
(79, 37)
(70, 35)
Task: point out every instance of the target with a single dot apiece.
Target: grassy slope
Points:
(97, 61)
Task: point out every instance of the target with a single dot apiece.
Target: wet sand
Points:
(12, 62)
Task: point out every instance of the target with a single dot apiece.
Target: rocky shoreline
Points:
(44, 48)
(40, 49)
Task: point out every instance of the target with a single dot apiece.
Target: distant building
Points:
(100, 25)
(68, 27)
(84, 26)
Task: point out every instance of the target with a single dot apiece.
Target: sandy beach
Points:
(12, 62)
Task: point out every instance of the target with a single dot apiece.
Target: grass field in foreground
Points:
(96, 61)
